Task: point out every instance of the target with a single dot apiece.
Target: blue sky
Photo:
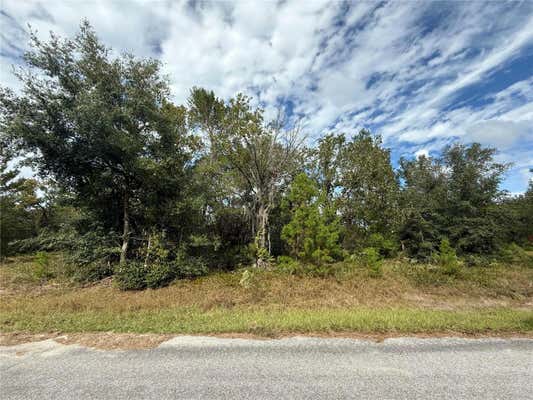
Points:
(421, 74)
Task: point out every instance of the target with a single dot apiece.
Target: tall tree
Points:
(258, 158)
(423, 203)
(327, 162)
(368, 189)
(474, 178)
(93, 122)
(455, 196)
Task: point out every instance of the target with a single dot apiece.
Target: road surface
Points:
(295, 368)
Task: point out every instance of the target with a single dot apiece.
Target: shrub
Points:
(91, 256)
(387, 248)
(131, 276)
(289, 265)
(514, 254)
(90, 272)
(137, 275)
(42, 271)
(447, 258)
(250, 280)
(372, 260)
(159, 275)
(189, 267)
(476, 260)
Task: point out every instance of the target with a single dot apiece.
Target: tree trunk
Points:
(148, 247)
(125, 231)
(262, 223)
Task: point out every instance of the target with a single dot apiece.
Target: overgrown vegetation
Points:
(344, 297)
(133, 186)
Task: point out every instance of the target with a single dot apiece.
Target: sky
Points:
(420, 74)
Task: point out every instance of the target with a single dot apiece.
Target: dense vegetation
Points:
(130, 184)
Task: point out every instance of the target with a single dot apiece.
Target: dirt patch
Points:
(114, 341)
(133, 341)
(14, 338)
(104, 340)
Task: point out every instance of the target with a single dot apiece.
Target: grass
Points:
(405, 299)
(273, 322)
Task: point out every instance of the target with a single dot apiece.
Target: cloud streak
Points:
(422, 74)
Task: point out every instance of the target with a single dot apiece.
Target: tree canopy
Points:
(125, 174)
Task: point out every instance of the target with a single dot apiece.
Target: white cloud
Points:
(396, 67)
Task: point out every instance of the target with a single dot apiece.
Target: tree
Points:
(100, 126)
(473, 192)
(516, 217)
(455, 196)
(327, 161)
(423, 203)
(19, 205)
(312, 234)
(257, 159)
(368, 199)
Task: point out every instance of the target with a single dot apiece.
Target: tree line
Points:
(129, 181)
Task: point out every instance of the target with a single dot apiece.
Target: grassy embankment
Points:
(407, 299)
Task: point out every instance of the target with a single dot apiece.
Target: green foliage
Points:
(313, 231)
(327, 163)
(176, 189)
(368, 199)
(373, 261)
(90, 272)
(19, 205)
(387, 248)
(253, 158)
(103, 128)
(447, 258)
(42, 270)
(159, 274)
(131, 276)
(514, 254)
(189, 267)
(136, 275)
(289, 265)
(454, 196)
(477, 260)
(92, 255)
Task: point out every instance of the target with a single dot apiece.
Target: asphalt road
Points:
(295, 368)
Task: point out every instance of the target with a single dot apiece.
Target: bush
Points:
(387, 248)
(89, 256)
(372, 260)
(90, 272)
(131, 276)
(159, 275)
(289, 265)
(514, 254)
(476, 260)
(447, 258)
(189, 267)
(137, 275)
(42, 271)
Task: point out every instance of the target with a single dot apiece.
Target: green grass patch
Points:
(271, 322)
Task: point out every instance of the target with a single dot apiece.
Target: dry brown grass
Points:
(401, 285)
